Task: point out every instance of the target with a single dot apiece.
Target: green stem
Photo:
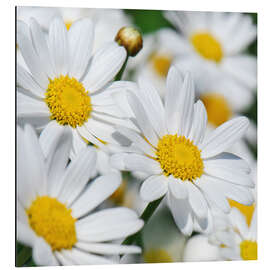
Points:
(146, 215)
(121, 71)
(23, 256)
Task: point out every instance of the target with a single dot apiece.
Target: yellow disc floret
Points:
(248, 250)
(53, 221)
(207, 46)
(161, 63)
(68, 101)
(217, 107)
(179, 157)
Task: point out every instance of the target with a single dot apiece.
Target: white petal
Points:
(77, 175)
(29, 54)
(213, 192)
(29, 107)
(104, 226)
(81, 40)
(42, 49)
(98, 190)
(197, 200)
(105, 64)
(137, 139)
(63, 259)
(186, 106)
(228, 174)
(199, 123)
(135, 162)
(42, 253)
(153, 105)
(83, 258)
(182, 214)
(253, 227)
(117, 161)
(224, 137)
(230, 161)
(57, 141)
(31, 167)
(153, 188)
(108, 249)
(178, 188)
(174, 85)
(142, 118)
(26, 81)
(59, 46)
(239, 222)
(25, 234)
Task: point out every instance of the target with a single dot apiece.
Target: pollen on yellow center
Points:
(179, 157)
(217, 107)
(157, 256)
(53, 221)
(248, 250)
(161, 63)
(207, 46)
(246, 210)
(68, 101)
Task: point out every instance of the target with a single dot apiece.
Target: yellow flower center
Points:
(179, 157)
(157, 256)
(207, 46)
(217, 107)
(53, 221)
(68, 101)
(161, 63)
(248, 250)
(246, 210)
(68, 24)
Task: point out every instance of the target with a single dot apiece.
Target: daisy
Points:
(216, 42)
(198, 249)
(55, 204)
(189, 168)
(240, 242)
(67, 85)
(223, 103)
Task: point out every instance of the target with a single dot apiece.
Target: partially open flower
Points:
(131, 39)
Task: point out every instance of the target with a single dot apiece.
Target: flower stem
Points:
(23, 256)
(121, 71)
(145, 216)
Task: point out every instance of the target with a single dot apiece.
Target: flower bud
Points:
(131, 39)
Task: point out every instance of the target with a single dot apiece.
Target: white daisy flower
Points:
(198, 249)
(154, 60)
(55, 204)
(240, 241)
(215, 42)
(190, 168)
(67, 85)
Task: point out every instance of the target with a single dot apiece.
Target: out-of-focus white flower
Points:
(154, 60)
(107, 21)
(215, 43)
(198, 249)
(67, 84)
(239, 242)
(181, 162)
(55, 204)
